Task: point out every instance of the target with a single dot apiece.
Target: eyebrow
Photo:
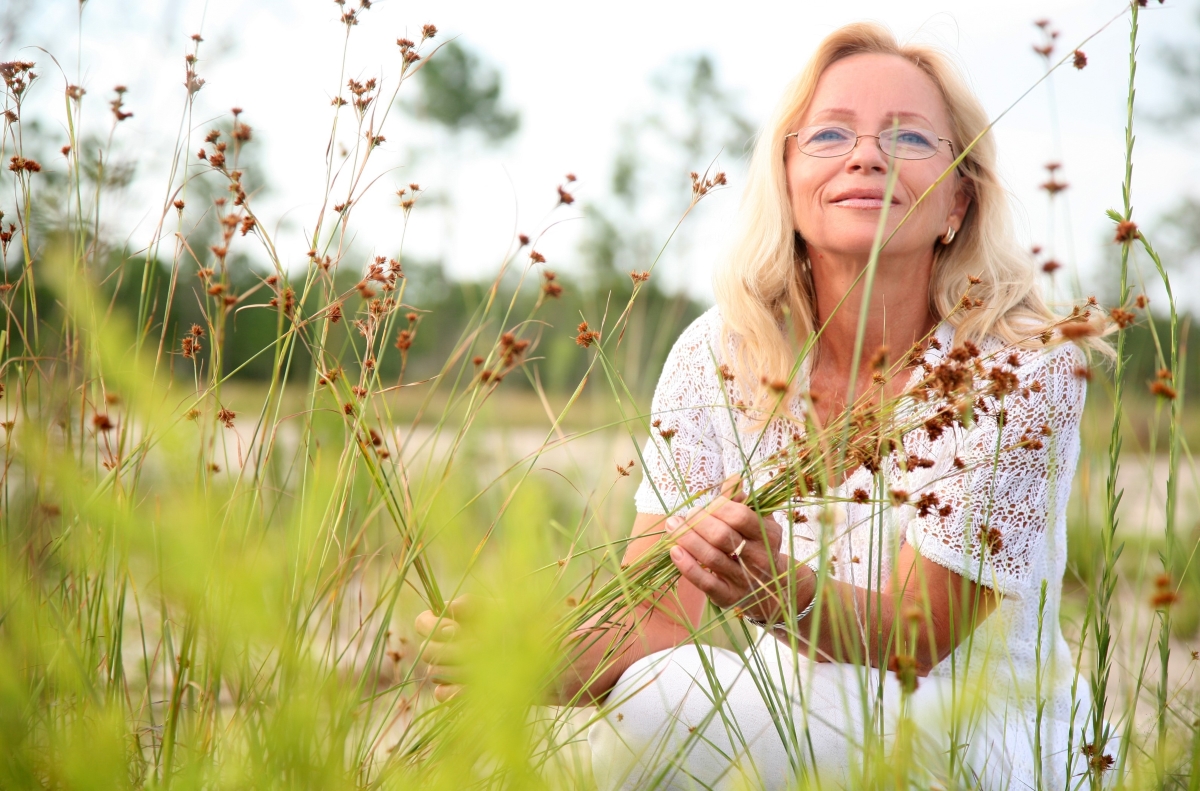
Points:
(843, 112)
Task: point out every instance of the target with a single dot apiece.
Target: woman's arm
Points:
(597, 654)
(600, 654)
(926, 614)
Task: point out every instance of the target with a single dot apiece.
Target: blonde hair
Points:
(763, 281)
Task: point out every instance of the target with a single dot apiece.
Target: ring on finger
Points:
(737, 553)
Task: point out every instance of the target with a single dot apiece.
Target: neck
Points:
(898, 312)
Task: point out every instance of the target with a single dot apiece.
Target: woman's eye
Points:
(913, 137)
(832, 135)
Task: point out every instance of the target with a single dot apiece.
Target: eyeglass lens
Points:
(834, 141)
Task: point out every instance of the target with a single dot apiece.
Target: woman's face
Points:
(836, 201)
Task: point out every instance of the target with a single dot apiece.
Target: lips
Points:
(861, 198)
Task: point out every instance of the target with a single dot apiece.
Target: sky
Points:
(576, 72)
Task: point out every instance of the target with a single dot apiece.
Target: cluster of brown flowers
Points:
(349, 16)
(1127, 231)
(550, 285)
(408, 49)
(701, 186)
(511, 353)
(1099, 761)
(287, 298)
(117, 104)
(1050, 265)
(362, 93)
(1049, 36)
(190, 345)
(406, 336)
(215, 158)
(623, 472)
(565, 197)
(408, 196)
(586, 336)
(371, 440)
(191, 81)
(17, 75)
(1164, 592)
(1052, 185)
(241, 132)
(6, 236)
(18, 164)
(226, 417)
(1161, 386)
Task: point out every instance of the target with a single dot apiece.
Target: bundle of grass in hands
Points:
(949, 388)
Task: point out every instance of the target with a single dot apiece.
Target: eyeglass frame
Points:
(878, 144)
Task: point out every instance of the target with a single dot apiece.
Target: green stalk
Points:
(1110, 551)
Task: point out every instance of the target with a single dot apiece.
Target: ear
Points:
(964, 196)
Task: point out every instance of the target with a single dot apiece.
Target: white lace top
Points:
(1015, 501)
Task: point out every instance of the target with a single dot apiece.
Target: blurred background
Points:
(629, 99)
(614, 108)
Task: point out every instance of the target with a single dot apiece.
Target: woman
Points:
(950, 593)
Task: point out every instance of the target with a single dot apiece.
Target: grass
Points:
(210, 583)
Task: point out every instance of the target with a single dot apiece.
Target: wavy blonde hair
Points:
(764, 278)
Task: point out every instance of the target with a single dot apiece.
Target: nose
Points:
(866, 157)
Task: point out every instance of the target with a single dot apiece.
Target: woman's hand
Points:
(443, 648)
(731, 553)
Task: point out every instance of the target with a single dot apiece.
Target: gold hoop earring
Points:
(948, 237)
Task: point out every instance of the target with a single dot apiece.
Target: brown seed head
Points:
(1127, 231)
(1163, 390)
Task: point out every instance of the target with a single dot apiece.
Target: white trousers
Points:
(697, 718)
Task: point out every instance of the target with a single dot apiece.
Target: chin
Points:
(852, 244)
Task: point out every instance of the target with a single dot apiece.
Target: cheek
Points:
(937, 203)
(804, 185)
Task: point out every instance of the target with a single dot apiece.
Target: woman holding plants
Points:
(909, 602)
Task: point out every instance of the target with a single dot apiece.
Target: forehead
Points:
(872, 88)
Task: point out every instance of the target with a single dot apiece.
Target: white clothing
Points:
(663, 730)
(1013, 499)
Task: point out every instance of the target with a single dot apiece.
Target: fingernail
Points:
(674, 523)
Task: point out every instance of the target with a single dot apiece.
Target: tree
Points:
(459, 93)
(694, 122)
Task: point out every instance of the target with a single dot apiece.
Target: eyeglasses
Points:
(836, 141)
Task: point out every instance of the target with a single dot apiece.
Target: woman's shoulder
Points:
(701, 340)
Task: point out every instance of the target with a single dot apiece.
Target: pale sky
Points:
(576, 71)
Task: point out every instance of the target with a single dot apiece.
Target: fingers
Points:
(441, 654)
(435, 627)
(746, 522)
(463, 608)
(443, 692)
(714, 587)
(706, 528)
(444, 674)
(713, 558)
(731, 489)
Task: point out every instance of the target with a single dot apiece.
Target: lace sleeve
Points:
(682, 458)
(1000, 485)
